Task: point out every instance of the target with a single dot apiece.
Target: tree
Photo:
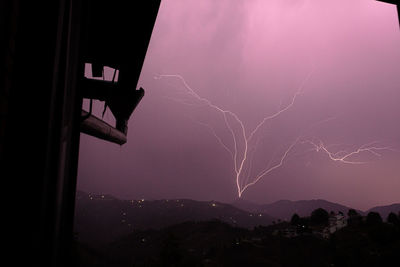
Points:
(374, 218)
(295, 219)
(320, 216)
(352, 213)
(354, 217)
(393, 219)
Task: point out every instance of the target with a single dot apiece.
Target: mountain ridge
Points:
(113, 217)
(384, 210)
(284, 209)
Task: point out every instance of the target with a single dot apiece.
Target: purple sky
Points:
(251, 57)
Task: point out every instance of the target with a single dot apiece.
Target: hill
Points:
(113, 218)
(284, 209)
(385, 210)
(211, 243)
(216, 243)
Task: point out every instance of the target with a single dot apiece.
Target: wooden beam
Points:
(96, 127)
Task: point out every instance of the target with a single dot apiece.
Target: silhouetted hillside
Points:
(385, 210)
(284, 209)
(211, 243)
(103, 218)
(216, 243)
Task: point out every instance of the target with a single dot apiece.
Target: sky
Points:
(297, 84)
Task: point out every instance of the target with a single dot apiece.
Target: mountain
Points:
(104, 218)
(284, 209)
(385, 210)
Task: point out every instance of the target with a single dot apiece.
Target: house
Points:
(336, 222)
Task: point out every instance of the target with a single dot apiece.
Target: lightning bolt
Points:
(239, 159)
(237, 167)
(345, 156)
(264, 120)
(269, 169)
(212, 130)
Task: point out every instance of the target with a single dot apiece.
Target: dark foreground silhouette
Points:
(364, 241)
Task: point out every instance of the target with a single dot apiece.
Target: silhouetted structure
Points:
(46, 46)
(117, 36)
